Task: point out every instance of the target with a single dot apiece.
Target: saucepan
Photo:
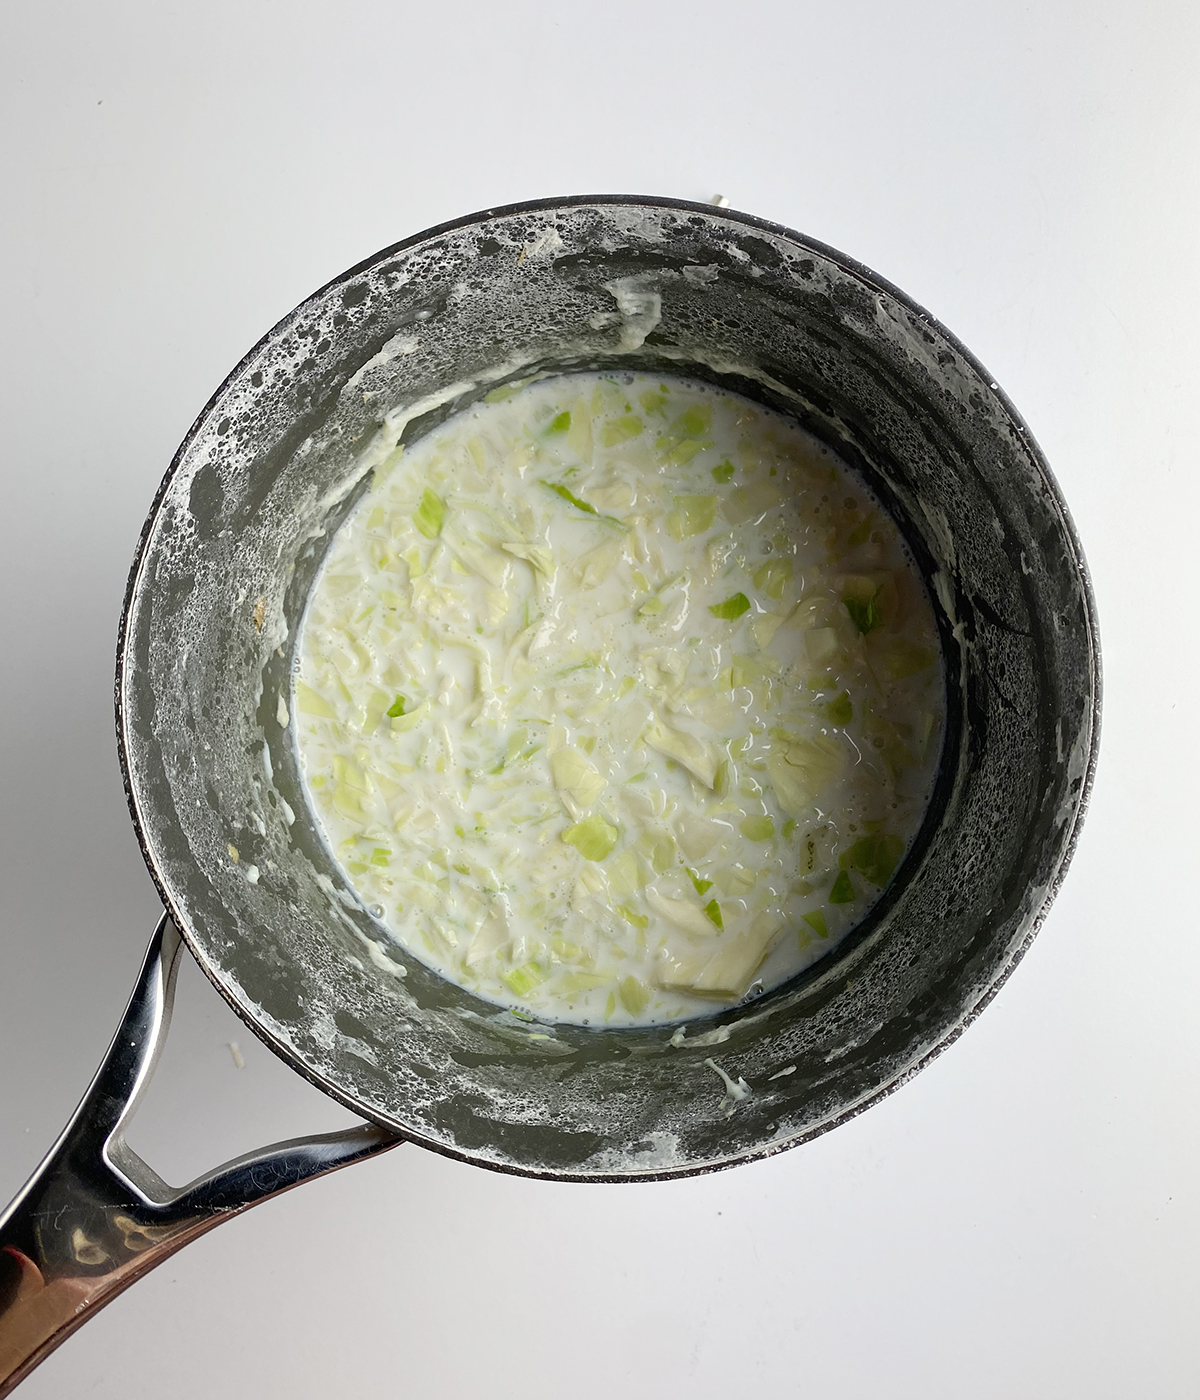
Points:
(229, 550)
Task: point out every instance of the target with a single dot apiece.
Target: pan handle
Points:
(94, 1217)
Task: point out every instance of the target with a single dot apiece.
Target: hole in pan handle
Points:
(94, 1217)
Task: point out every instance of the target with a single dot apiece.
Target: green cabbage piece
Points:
(634, 994)
(412, 718)
(659, 849)
(308, 702)
(874, 856)
(815, 919)
(593, 838)
(677, 451)
(747, 669)
(621, 430)
(757, 828)
(625, 875)
(722, 473)
(692, 516)
(713, 910)
(693, 422)
(524, 979)
(572, 499)
(396, 709)
(560, 424)
(865, 615)
(430, 515)
(840, 710)
(861, 531)
(701, 885)
(843, 890)
(731, 608)
(581, 981)
(773, 577)
(345, 770)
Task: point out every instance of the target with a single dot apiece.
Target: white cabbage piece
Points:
(697, 835)
(489, 564)
(537, 555)
(699, 758)
(658, 847)
(626, 874)
(726, 973)
(629, 720)
(492, 936)
(750, 502)
(664, 673)
(800, 769)
(402, 723)
(612, 494)
(579, 782)
(821, 645)
(684, 914)
(598, 563)
(765, 627)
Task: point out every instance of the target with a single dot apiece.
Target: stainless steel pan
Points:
(227, 555)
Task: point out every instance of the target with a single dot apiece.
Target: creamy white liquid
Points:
(619, 700)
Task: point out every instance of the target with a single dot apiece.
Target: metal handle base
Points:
(94, 1217)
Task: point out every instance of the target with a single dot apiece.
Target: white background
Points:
(1020, 1221)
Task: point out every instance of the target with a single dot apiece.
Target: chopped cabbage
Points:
(541, 742)
(874, 856)
(800, 769)
(577, 780)
(308, 702)
(732, 608)
(842, 891)
(773, 577)
(682, 913)
(815, 919)
(621, 430)
(841, 709)
(594, 838)
(430, 514)
(693, 515)
(696, 756)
